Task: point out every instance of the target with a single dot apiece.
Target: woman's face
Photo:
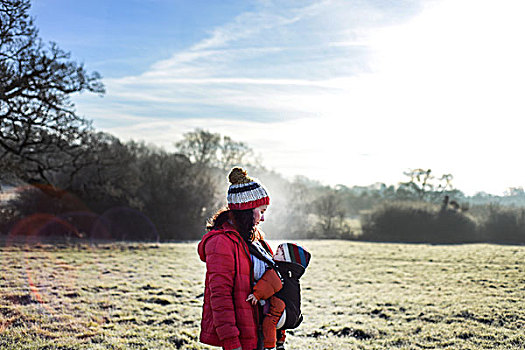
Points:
(258, 214)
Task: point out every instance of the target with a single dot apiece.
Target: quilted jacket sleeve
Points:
(220, 264)
(268, 285)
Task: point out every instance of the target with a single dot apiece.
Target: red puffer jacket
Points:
(228, 320)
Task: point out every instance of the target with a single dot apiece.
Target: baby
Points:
(279, 285)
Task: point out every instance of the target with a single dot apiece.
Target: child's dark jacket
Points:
(291, 292)
(289, 275)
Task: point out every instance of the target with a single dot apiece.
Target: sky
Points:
(349, 92)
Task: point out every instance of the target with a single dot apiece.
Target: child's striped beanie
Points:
(245, 192)
(295, 254)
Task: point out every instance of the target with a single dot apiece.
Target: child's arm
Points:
(268, 285)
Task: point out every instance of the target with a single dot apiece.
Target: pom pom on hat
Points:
(239, 176)
(245, 192)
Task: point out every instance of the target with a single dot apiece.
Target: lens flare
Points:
(30, 232)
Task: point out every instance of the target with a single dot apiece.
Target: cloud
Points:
(314, 87)
(277, 72)
(270, 59)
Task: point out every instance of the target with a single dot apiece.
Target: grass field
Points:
(355, 296)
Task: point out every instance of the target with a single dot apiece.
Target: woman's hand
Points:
(252, 299)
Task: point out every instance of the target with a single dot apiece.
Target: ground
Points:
(355, 296)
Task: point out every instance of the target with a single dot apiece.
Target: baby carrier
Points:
(289, 272)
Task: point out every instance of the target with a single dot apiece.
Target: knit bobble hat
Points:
(294, 253)
(245, 192)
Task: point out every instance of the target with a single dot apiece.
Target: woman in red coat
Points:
(228, 320)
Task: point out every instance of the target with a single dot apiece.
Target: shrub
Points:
(8, 216)
(38, 210)
(452, 226)
(504, 225)
(418, 222)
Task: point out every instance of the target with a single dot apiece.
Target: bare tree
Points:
(203, 147)
(425, 185)
(445, 183)
(420, 181)
(37, 117)
(200, 146)
(329, 208)
(233, 153)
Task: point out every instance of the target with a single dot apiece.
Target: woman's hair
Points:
(242, 220)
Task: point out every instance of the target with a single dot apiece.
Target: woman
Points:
(228, 320)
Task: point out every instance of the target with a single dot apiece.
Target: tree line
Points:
(75, 181)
